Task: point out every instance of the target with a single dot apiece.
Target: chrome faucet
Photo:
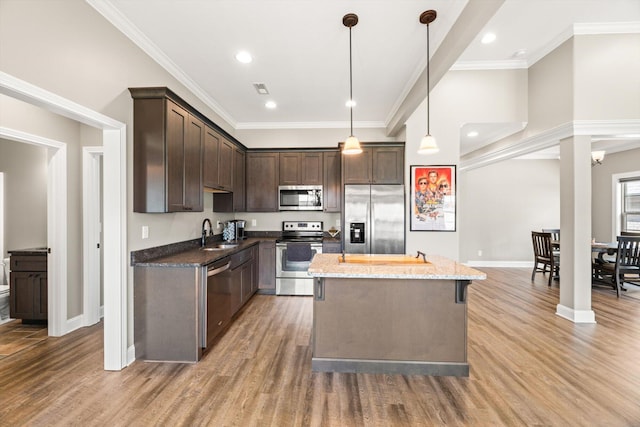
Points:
(203, 242)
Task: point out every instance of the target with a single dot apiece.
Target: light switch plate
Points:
(145, 232)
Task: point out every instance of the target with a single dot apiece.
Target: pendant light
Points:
(351, 145)
(428, 143)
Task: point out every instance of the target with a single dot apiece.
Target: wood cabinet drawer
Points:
(28, 263)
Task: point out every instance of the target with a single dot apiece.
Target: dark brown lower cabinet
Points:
(267, 267)
(28, 287)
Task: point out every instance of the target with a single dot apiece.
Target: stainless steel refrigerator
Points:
(374, 219)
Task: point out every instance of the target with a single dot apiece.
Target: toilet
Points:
(4, 291)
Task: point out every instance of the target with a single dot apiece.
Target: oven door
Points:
(288, 266)
(291, 272)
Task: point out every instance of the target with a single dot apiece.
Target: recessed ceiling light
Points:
(472, 134)
(244, 57)
(270, 105)
(350, 103)
(488, 38)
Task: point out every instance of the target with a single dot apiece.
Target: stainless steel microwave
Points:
(300, 197)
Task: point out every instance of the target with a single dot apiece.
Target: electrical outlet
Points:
(145, 232)
(254, 222)
(218, 224)
(338, 222)
(480, 253)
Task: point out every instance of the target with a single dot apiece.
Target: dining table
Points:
(599, 248)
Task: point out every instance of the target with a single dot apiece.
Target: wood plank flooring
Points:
(529, 367)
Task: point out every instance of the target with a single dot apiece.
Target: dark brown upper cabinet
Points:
(331, 188)
(167, 154)
(262, 181)
(239, 167)
(301, 168)
(217, 162)
(375, 165)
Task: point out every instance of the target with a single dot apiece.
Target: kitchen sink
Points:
(220, 247)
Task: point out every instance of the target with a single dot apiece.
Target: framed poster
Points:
(433, 198)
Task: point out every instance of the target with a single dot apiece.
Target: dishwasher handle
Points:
(213, 271)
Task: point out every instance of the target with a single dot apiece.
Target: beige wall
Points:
(551, 90)
(504, 202)
(300, 138)
(25, 185)
(460, 97)
(602, 200)
(606, 79)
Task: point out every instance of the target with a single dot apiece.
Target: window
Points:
(630, 220)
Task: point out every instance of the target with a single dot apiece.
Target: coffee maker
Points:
(239, 228)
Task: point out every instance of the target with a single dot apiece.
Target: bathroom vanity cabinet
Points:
(28, 286)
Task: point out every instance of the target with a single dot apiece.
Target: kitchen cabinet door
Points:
(290, 164)
(298, 168)
(239, 201)
(387, 165)
(262, 182)
(193, 188)
(331, 188)
(267, 266)
(225, 165)
(210, 157)
(218, 165)
(167, 155)
(375, 165)
(356, 168)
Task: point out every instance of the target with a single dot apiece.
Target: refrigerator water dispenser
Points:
(357, 232)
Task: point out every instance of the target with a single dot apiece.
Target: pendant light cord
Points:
(350, 83)
(428, 84)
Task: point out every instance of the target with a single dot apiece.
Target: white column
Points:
(575, 226)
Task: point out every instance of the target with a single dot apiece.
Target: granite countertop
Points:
(197, 257)
(438, 267)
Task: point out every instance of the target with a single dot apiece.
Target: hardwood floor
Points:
(528, 367)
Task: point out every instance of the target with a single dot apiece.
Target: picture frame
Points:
(433, 208)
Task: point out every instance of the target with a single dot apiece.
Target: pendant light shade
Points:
(351, 145)
(428, 143)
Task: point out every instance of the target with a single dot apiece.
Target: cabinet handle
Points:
(220, 323)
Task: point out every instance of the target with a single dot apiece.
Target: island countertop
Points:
(437, 267)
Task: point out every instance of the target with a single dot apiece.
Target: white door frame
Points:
(114, 140)
(91, 232)
(56, 225)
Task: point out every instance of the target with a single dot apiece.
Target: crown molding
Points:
(551, 138)
(509, 64)
(308, 125)
(573, 30)
(126, 27)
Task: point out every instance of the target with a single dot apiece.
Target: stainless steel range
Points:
(299, 243)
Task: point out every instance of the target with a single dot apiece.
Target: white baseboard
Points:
(73, 324)
(131, 354)
(576, 316)
(501, 264)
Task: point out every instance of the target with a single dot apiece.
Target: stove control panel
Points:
(301, 226)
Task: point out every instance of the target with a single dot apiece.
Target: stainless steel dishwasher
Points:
(217, 300)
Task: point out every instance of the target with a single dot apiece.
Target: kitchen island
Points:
(390, 314)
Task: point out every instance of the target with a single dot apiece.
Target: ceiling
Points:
(300, 51)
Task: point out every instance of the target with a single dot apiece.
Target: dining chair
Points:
(543, 254)
(555, 233)
(627, 263)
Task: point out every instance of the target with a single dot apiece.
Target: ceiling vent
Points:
(261, 88)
